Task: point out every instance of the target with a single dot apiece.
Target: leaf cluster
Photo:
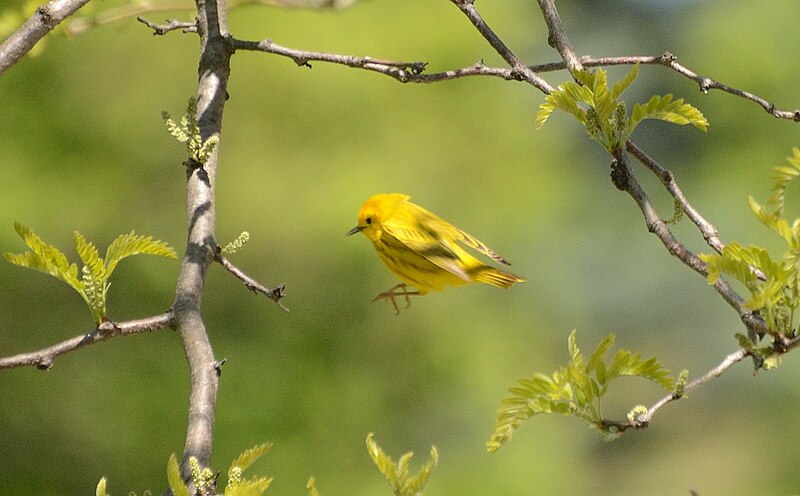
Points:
(575, 389)
(397, 474)
(204, 479)
(92, 283)
(774, 283)
(605, 116)
(187, 131)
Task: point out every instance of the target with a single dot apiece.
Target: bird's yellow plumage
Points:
(424, 250)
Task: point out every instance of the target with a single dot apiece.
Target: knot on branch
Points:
(47, 18)
(705, 84)
(667, 58)
(417, 68)
(301, 62)
(619, 176)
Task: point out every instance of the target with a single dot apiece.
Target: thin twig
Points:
(43, 359)
(275, 294)
(519, 69)
(644, 419)
(172, 25)
(666, 177)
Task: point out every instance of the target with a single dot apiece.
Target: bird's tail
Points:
(495, 277)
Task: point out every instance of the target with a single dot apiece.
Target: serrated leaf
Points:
(130, 244)
(416, 484)
(44, 258)
(664, 108)
(599, 355)
(575, 390)
(90, 257)
(602, 102)
(248, 457)
(781, 180)
(398, 475)
(383, 462)
(253, 487)
(624, 83)
(174, 479)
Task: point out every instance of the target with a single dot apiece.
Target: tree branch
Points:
(520, 70)
(624, 180)
(35, 28)
(213, 71)
(43, 359)
(644, 419)
(275, 294)
(557, 37)
(172, 25)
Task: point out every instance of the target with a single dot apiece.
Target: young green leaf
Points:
(624, 83)
(248, 457)
(397, 475)
(665, 109)
(93, 284)
(101, 488)
(174, 479)
(253, 487)
(575, 389)
(312, 487)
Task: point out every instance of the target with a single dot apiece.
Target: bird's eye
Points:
(369, 220)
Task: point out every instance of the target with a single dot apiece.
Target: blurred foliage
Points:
(576, 389)
(83, 149)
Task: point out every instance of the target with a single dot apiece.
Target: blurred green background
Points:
(82, 146)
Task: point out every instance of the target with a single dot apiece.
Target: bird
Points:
(423, 250)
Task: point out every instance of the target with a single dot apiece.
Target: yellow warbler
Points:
(423, 249)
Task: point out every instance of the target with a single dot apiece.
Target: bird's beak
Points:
(354, 230)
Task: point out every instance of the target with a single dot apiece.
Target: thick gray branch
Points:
(213, 72)
(40, 23)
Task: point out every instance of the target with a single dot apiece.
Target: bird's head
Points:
(374, 211)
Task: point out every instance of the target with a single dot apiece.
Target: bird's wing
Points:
(437, 224)
(425, 242)
(478, 245)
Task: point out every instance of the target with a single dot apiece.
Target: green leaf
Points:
(248, 457)
(174, 479)
(565, 98)
(90, 257)
(44, 258)
(781, 180)
(624, 83)
(398, 474)
(416, 484)
(92, 285)
(130, 244)
(312, 487)
(253, 487)
(101, 488)
(576, 389)
(602, 102)
(665, 109)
